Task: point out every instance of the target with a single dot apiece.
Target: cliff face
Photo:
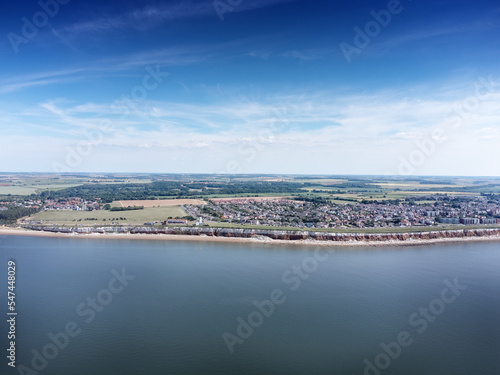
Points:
(278, 235)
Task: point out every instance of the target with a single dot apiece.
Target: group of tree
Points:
(176, 189)
(128, 208)
(12, 214)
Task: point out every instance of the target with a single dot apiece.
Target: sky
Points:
(239, 86)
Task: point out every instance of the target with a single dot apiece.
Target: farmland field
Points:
(408, 186)
(28, 189)
(163, 202)
(17, 190)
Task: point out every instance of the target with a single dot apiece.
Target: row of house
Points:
(284, 212)
(469, 220)
(72, 204)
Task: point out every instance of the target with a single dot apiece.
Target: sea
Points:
(86, 306)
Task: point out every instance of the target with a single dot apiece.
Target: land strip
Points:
(268, 237)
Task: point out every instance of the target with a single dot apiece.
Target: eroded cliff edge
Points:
(276, 234)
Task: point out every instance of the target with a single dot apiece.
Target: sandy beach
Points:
(254, 240)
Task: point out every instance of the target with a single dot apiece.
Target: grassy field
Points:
(17, 190)
(27, 185)
(249, 195)
(124, 181)
(322, 181)
(256, 199)
(413, 186)
(35, 184)
(28, 189)
(336, 201)
(163, 202)
(136, 217)
(381, 196)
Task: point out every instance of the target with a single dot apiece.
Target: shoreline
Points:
(252, 240)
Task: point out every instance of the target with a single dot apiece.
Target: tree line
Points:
(140, 191)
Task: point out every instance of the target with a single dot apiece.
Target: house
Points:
(174, 221)
(488, 221)
(469, 220)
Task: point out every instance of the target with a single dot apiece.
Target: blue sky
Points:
(263, 86)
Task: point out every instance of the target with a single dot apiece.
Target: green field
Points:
(17, 190)
(248, 195)
(28, 189)
(36, 184)
(136, 217)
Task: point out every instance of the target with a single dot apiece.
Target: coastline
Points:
(252, 240)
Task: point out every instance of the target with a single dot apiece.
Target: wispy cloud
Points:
(8, 85)
(436, 31)
(108, 67)
(297, 54)
(371, 130)
(152, 16)
(381, 115)
(135, 63)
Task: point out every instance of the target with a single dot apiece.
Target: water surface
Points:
(336, 311)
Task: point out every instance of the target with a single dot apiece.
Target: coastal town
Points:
(293, 203)
(282, 212)
(298, 213)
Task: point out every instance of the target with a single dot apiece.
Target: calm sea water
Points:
(333, 313)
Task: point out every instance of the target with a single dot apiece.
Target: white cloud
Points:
(320, 133)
